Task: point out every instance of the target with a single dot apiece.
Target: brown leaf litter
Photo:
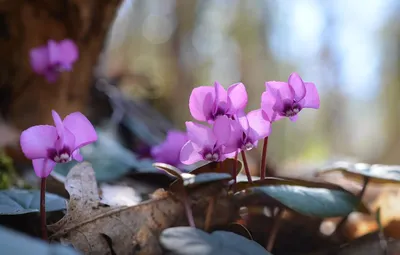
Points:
(95, 228)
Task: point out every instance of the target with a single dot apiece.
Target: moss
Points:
(7, 171)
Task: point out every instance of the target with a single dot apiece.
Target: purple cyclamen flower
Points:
(48, 145)
(51, 59)
(169, 151)
(248, 129)
(207, 143)
(206, 103)
(287, 99)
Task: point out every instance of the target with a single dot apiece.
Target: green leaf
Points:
(12, 242)
(376, 173)
(190, 180)
(192, 241)
(16, 201)
(318, 202)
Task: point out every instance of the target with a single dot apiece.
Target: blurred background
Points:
(349, 49)
(157, 51)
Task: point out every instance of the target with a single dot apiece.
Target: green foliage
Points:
(7, 171)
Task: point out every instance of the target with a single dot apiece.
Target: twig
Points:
(246, 166)
(43, 208)
(210, 210)
(188, 209)
(263, 169)
(274, 231)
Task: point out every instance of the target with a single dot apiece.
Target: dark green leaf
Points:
(376, 173)
(15, 201)
(319, 202)
(192, 241)
(226, 166)
(171, 170)
(12, 242)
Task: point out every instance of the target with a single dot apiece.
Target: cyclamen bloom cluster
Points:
(55, 57)
(228, 129)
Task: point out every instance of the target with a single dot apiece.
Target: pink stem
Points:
(43, 208)
(263, 170)
(246, 166)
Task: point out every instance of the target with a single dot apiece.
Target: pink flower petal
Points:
(259, 124)
(59, 126)
(222, 130)
(294, 118)
(81, 128)
(43, 167)
(284, 89)
(39, 58)
(69, 141)
(221, 98)
(54, 52)
(201, 102)
(200, 134)
(298, 86)
(311, 99)
(69, 52)
(238, 96)
(268, 102)
(36, 140)
(189, 155)
(77, 156)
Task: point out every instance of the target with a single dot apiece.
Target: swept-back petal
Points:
(200, 134)
(189, 155)
(54, 52)
(283, 87)
(59, 126)
(259, 123)
(311, 99)
(222, 130)
(43, 167)
(221, 98)
(238, 97)
(298, 86)
(36, 140)
(81, 128)
(39, 58)
(201, 102)
(268, 102)
(69, 52)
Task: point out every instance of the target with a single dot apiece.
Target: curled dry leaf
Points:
(95, 229)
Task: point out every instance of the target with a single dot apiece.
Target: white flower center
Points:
(62, 158)
(211, 156)
(247, 146)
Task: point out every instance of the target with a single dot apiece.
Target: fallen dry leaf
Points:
(95, 229)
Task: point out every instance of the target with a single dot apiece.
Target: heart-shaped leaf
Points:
(318, 202)
(286, 181)
(192, 241)
(16, 201)
(12, 242)
(375, 173)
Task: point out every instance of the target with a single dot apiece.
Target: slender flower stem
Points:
(274, 231)
(359, 197)
(210, 210)
(246, 166)
(263, 169)
(188, 209)
(234, 174)
(43, 208)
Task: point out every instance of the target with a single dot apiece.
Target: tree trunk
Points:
(26, 99)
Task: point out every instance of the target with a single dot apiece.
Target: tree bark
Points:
(26, 99)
